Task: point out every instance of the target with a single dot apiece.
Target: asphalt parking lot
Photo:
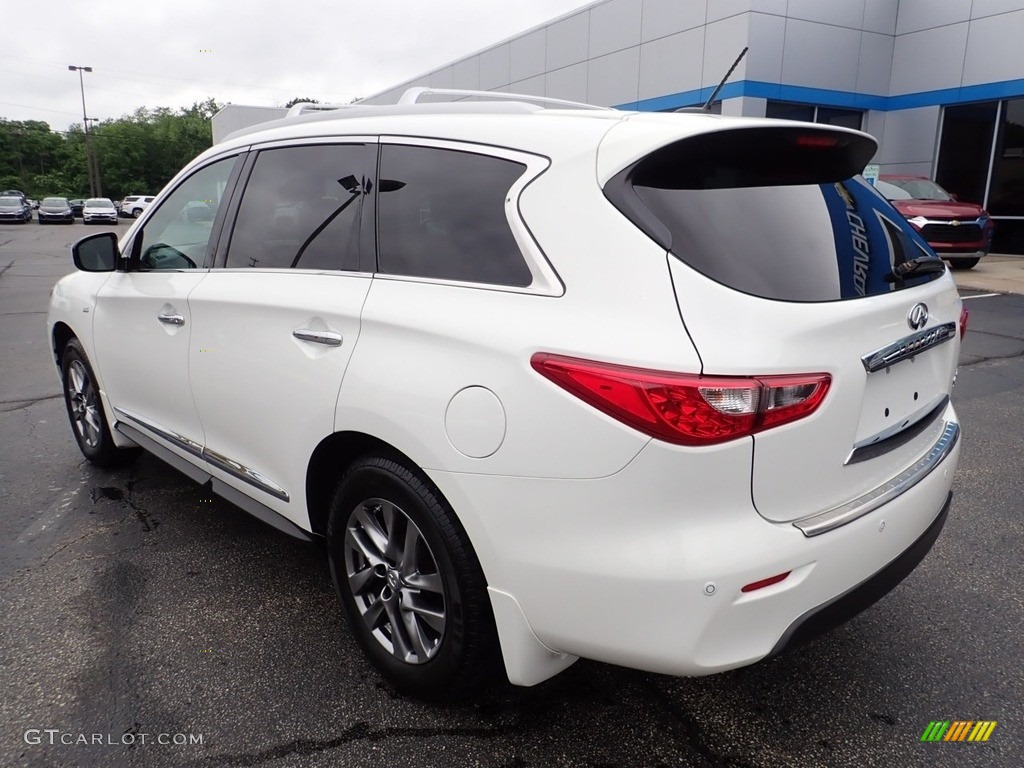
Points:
(137, 609)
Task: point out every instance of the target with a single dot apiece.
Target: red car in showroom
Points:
(959, 232)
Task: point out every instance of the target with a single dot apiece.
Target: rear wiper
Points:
(922, 265)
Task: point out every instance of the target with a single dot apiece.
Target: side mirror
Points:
(955, 197)
(96, 253)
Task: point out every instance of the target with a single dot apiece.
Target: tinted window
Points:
(174, 237)
(442, 215)
(763, 212)
(303, 207)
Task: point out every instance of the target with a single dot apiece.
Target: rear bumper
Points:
(844, 607)
(646, 568)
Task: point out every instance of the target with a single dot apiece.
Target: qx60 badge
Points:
(917, 318)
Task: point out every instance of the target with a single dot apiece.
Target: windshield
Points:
(54, 202)
(913, 189)
(10, 201)
(99, 204)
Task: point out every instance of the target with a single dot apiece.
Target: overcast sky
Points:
(172, 53)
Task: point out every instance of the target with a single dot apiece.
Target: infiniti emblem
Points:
(917, 318)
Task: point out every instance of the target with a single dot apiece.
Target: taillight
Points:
(964, 314)
(686, 409)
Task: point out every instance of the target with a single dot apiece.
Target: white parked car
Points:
(669, 391)
(136, 205)
(99, 210)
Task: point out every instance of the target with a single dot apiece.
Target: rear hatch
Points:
(785, 262)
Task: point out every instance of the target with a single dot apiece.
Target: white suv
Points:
(669, 391)
(136, 205)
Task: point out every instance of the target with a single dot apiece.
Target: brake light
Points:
(686, 409)
(964, 314)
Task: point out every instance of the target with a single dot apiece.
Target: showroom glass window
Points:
(305, 207)
(442, 215)
(785, 110)
(177, 235)
(1006, 195)
(965, 149)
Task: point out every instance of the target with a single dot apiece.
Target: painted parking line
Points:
(980, 296)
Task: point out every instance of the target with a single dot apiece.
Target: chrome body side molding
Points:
(232, 467)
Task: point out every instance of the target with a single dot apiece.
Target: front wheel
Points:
(136, 213)
(964, 263)
(410, 582)
(85, 410)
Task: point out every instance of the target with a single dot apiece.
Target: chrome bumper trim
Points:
(823, 522)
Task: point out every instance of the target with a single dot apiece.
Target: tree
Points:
(295, 101)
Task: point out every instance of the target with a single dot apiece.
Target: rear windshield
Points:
(791, 223)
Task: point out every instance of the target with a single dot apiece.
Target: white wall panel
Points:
(466, 74)
(533, 86)
(843, 13)
(910, 136)
(568, 83)
(568, 41)
(821, 55)
(875, 68)
(744, 106)
(528, 55)
(880, 16)
(929, 60)
(441, 78)
(915, 15)
(723, 9)
(982, 8)
(723, 41)
(671, 64)
(995, 33)
(496, 67)
(766, 37)
(666, 17)
(612, 79)
(613, 26)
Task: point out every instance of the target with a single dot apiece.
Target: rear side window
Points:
(303, 208)
(441, 214)
(776, 213)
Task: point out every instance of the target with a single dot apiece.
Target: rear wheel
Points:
(85, 410)
(136, 213)
(964, 263)
(410, 582)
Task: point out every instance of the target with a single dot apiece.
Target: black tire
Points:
(964, 263)
(136, 212)
(439, 664)
(85, 410)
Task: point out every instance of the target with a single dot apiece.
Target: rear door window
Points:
(442, 216)
(305, 207)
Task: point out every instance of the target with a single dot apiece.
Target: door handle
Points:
(327, 338)
(171, 319)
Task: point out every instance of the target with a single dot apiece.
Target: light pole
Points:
(92, 165)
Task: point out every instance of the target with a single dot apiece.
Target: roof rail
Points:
(305, 107)
(412, 96)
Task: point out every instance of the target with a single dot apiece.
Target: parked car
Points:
(97, 210)
(136, 205)
(76, 206)
(15, 209)
(527, 378)
(55, 209)
(957, 231)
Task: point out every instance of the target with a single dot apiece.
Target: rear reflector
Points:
(686, 409)
(964, 314)
(753, 586)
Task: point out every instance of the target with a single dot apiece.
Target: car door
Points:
(275, 322)
(142, 324)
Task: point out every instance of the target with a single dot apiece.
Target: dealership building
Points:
(939, 83)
